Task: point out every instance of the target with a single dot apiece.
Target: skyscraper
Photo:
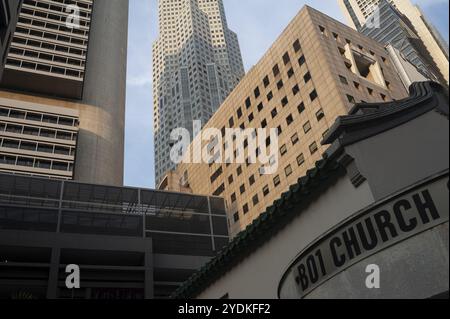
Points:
(196, 64)
(358, 12)
(62, 99)
(8, 20)
(314, 72)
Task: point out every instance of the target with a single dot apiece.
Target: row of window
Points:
(36, 131)
(38, 117)
(35, 163)
(36, 147)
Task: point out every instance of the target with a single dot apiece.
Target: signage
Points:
(366, 233)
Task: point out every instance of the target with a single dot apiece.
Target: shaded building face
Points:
(128, 243)
(8, 19)
(56, 65)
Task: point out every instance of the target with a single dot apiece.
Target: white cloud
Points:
(139, 80)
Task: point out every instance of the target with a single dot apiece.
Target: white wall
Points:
(259, 274)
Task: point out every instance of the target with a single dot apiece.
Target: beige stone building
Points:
(314, 72)
(358, 12)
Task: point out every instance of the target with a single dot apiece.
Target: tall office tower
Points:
(314, 72)
(196, 64)
(358, 12)
(8, 20)
(62, 103)
(395, 29)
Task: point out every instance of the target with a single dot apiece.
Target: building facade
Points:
(315, 71)
(359, 13)
(128, 243)
(56, 64)
(9, 10)
(395, 30)
(196, 64)
(370, 221)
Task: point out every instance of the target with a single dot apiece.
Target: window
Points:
(266, 190)
(248, 103)
(313, 148)
(252, 180)
(289, 119)
(320, 115)
(351, 99)
(383, 97)
(269, 96)
(313, 95)
(251, 117)
(284, 101)
(322, 30)
(260, 107)
(266, 81)
(276, 70)
(233, 197)
(290, 73)
(236, 217)
(288, 170)
(301, 108)
(301, 60)
(230, 179)
(276, 180)
(231, 121)
(257, 92)
(370, 91)
(307, 127)
(274, 113)
(279, 130)
(295, 89)
(297, 46)
(239, 113)
(280, 84)
(294, 139)
(245, 209)
(343, 80)
(255, 200)
(283, 150)
(239, 170)
(388, 85)
(219, 191)
(264, 123)
(307, 77)
(356, 85)
(301, 160)
(286, 58)
(242, 189)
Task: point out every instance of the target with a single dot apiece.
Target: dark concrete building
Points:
(8, 19)
(369, 221)
(128, 243)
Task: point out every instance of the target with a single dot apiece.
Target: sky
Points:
(257, 22)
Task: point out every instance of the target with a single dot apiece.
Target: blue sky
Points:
(257, 30)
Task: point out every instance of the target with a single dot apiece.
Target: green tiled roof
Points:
(269, 223)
